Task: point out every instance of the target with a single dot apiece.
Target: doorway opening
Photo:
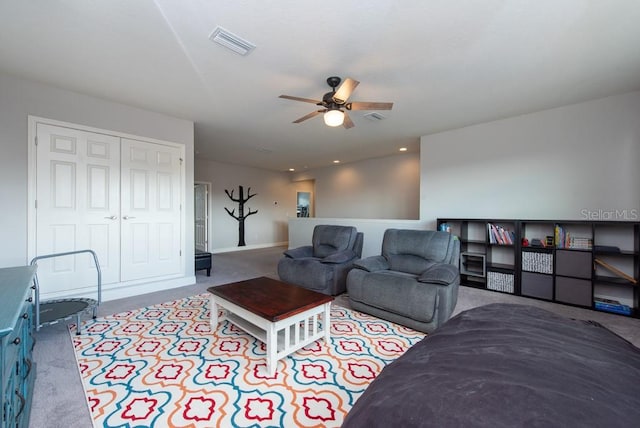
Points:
(201, 216)
(303, 206)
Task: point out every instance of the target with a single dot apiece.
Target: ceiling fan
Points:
(335, 103)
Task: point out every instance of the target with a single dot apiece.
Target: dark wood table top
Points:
(269, 298)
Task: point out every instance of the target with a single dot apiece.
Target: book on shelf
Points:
(565, 239)
(499, 235)
(610, 305)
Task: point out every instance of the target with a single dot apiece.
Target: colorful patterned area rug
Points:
(162, 366)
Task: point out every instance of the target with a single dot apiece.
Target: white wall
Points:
(381, 188)
(553, 164)
(266, 228)
(20, 98)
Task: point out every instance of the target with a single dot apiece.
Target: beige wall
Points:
(275, 201)
(554, 164)
(381, 188)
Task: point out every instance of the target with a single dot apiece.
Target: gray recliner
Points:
(414, 282)
(323, 265)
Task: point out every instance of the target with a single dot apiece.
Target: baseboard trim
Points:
(249, 247)
(123, 290)
(148, 287)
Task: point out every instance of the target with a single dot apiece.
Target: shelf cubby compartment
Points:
(615, 269)
(573, 235)
(502, 233)
(537, 231)
(473, 264)
(614, 298)
(617, 238)
(501, 257)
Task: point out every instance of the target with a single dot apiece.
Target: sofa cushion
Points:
(340, 257)
(300, 252)
(396, 292)
(409, 263)
(329, 239)
(415, 251)
(440, 273)
(372, 264)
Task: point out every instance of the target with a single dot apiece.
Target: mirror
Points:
(303, 208)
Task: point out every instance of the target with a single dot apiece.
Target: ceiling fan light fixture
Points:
(334, 117)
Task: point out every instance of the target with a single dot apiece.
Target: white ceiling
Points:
(445, 64)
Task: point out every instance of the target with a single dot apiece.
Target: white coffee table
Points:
(283, 316)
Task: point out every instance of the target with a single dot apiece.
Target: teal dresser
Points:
(17, 374)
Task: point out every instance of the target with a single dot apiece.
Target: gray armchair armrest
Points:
(440, 273)
(340, 257)
(372, 264)
(300, 252)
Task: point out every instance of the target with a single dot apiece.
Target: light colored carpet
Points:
(59, 401)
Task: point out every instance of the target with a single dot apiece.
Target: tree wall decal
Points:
(241, 200)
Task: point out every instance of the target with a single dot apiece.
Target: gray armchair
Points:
(323, 265)
(414, 282)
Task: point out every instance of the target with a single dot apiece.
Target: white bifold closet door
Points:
(151, 194)
(116, 196)
(78, 206)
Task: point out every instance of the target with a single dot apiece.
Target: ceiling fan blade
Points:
(369, 106)
(309, 116)
(348, 123)
(344, 90)
(306, 100)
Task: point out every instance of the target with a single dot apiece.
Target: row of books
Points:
(500, 235)
(610, 305)
(565, 239)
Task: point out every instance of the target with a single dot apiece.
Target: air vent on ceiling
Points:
(262, 149)
(231, 41)
(374, 117)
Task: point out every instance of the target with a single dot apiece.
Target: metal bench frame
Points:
(91, 304)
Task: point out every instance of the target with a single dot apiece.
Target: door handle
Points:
(112, 217)
(126, 217)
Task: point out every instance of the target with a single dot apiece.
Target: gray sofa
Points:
(323, 265)
(414, 282)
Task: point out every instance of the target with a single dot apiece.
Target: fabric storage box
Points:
(537, 285)
(573, 263)
(574, 291)
(499, 281)
(541, 262)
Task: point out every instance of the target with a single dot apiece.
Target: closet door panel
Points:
(151, 194)
(78, 206)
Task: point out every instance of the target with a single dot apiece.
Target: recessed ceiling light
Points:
(336, 161)
(292, 169)
(403, 149)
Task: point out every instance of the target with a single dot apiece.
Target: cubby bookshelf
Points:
(590, 264)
